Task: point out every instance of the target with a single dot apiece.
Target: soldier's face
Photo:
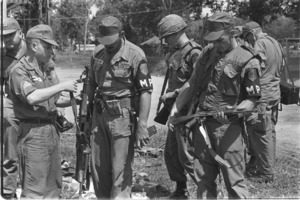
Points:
(12, 40)
(114, 47)
(171, 40)
(223, 43)
(44, 51)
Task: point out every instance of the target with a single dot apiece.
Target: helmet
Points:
(170, 24)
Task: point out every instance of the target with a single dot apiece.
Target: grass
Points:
(287, 169)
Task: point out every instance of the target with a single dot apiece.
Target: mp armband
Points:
(143, 79)
(144, 82)
(251, 83)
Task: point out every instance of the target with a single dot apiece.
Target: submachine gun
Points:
(83, 149)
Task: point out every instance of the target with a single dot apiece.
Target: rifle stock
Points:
(83, 149)
(184, 119)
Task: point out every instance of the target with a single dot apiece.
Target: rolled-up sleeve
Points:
(20, 83)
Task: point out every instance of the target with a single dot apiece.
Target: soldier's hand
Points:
(142, 136)
(221, 117)
(70, 86)
(168, 95)
(78, 99)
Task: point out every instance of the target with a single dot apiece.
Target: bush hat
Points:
(250, 26)
(42, 32)
(170, 24)
(216, 25)
(109, 29)
(10, 25)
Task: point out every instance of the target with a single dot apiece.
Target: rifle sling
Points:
(74, 109)
(215, 156)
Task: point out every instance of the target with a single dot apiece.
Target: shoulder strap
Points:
(284, 59)
(189, 51)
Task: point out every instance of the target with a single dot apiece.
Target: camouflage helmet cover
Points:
(170, 24)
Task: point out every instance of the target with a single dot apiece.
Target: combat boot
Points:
(180, 194)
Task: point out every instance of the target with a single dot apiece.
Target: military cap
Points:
(170, 24)
(10, 25)
(42, 32)
(216, 25)
(109, 29)
(250, 26)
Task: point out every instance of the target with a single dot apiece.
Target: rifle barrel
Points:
(183, 119)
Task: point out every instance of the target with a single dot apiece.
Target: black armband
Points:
(252, 84)
(143, 79)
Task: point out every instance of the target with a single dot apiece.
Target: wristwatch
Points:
(176, 92)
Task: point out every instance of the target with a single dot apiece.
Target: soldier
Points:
(263, 134)
(180, 61)
(14, 48)
(227, 77)
(35, 97)
(119, 79)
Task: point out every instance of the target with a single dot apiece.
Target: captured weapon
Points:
(83, 149)
(184, 119)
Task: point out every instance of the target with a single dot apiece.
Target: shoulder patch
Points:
(26, 84)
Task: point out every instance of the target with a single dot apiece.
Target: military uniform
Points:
(118, 80)
(10, 163)
(36, 122)
(222, 80)
(177, 150)
(38, 140)
(263, 134)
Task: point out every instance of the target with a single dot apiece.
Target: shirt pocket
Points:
(122, 71)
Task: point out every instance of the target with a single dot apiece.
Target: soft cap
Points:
(109, 29)
(216, 24)
(42, 32)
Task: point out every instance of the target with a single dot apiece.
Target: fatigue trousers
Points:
(178, 158)
(39, 157)
(112, 154)
(227, 142)
(10, 162)
(263, 138)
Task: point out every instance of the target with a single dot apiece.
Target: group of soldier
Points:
(238, 70)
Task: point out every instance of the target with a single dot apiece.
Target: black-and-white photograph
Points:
(150, 99)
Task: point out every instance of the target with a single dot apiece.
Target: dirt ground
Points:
(288, 126)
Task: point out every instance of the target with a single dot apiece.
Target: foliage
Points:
(282, 27)
(140, 17)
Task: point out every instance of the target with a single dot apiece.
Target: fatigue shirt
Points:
(116, 77)
(9, 61)
(220, 77)
(270, 52)
(24, 79)
(181, 65)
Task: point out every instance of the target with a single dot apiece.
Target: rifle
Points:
(83, 149)
(163, 114)
(184, 119)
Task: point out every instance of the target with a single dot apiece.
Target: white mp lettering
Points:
(144, 83)
(257, 88)
(150, 81)
(250, 89)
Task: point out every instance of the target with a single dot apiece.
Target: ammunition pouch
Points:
(62, 124)
(113, 105)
